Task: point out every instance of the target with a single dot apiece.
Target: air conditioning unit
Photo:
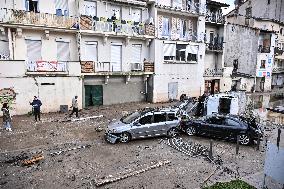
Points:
(136, 67)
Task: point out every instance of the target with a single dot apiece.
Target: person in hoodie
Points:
(6, 117)
(36, 106)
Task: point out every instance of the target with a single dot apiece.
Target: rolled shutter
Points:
(91, 51)
(33, 50)
(63, 51)
(116, 57)
(169, 49)
(192, 49)
(136, 53)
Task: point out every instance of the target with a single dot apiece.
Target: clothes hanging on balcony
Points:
(61, 7)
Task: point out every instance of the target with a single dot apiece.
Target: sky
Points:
(230, 2)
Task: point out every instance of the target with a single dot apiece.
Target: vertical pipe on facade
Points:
(11, 42)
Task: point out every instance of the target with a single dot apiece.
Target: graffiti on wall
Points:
(7, 95)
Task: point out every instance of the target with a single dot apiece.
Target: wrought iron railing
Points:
(213, 72)
(278, 69)
(39, 19)
(214, 46)
(215, 17)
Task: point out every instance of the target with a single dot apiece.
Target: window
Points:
(172, 117)
(90, 8)
(181, 52)
(61, 7)
(63, 51)
(4, 50)
(136, 53)
(160, 118)
(262, 65)
(166, 27)
(248, 12)
(32, 5)
(216, 120)
(211, 37)
(91, 51)
(235, 64)
(192, 51)
(146, 120)
(115, 12)
(33, 50)
(183, 29)
(169, 51)
(230, 122)
(136, 15)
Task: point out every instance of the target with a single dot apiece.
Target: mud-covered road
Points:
(76, 155)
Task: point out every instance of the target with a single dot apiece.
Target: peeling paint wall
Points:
(241, 45)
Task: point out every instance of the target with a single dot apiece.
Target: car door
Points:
(216, 126)
(141, 128)
(159, 125)
(234, 128)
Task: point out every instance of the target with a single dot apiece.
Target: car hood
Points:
(117, 125)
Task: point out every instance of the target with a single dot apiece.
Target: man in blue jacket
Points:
(36, 106)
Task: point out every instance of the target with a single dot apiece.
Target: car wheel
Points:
(244, 139)
(191, 131)
(173, 132)
(125, 137)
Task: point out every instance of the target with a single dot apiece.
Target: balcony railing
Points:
(214, 17)
(118, 26)
(46, 66)
(39, 19)
(278, 51)
(262, 49)
(278, 69)
(214, 47)
(211, 72)
(188, 6)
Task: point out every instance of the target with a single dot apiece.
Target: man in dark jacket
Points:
(36, 106)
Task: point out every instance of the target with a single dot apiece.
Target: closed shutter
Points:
(116, 57)
(91, 49)
(4, 50)
(90, 8)
(136, 53)
(192, 49)
(33, 50)
(115, 10)
(136, 15)
(63, 51)
(169, 49)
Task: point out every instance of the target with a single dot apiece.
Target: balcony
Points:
(278, 51)
(214, 17)
(278, 70)
(214, 47)
(112, 68)
(262, 49)
(116, 27)
(213, 72)
(21, 17)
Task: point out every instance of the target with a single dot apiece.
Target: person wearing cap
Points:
(36, 106)
(75, 106)
(6, 117)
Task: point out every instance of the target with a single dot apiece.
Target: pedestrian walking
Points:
(75, 106)
(36, 106)
(6, 117)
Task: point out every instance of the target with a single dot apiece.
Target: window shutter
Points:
(4, 50)
(169, 49)
(91, 49)
(192, 49)
(136, 53)
(63, 51)
(116, 57)
(33, 50)
(160, 26)
(136, 15)
(174, 28)
(90, 8)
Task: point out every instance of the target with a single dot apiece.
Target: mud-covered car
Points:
(143, 124)
(224, 126)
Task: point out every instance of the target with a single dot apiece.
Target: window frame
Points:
(152, 117)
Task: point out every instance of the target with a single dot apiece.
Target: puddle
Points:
(274, 166)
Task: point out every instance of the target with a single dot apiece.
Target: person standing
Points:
(6, 117)
(36, 106)
(75, 106)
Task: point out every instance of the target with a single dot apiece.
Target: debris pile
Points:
(69, 149)
(110, 179)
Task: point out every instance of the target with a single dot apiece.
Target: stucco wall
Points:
(241, 44)
(187, 75)
(60, 92)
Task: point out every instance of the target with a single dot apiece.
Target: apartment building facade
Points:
(178, 49)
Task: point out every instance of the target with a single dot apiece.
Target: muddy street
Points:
(76, 155)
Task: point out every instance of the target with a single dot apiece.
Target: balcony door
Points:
(116, 57)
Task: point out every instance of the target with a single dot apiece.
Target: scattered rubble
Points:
(69, 149)
(33, 160)
(110, 178)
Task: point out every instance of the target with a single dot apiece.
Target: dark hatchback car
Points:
(225, 127)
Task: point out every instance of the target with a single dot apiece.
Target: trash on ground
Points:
(33, 160)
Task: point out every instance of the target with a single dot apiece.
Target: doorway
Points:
(93, 95)
(173, 90)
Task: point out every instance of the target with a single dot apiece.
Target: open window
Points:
(146, 120)
(32, 6)
(192, 51)
(160, 117)
(166, 27)
(181, 52)
(262, 64)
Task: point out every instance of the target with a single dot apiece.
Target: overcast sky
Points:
(230, 2)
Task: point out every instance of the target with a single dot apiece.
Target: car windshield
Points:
(130, 118)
